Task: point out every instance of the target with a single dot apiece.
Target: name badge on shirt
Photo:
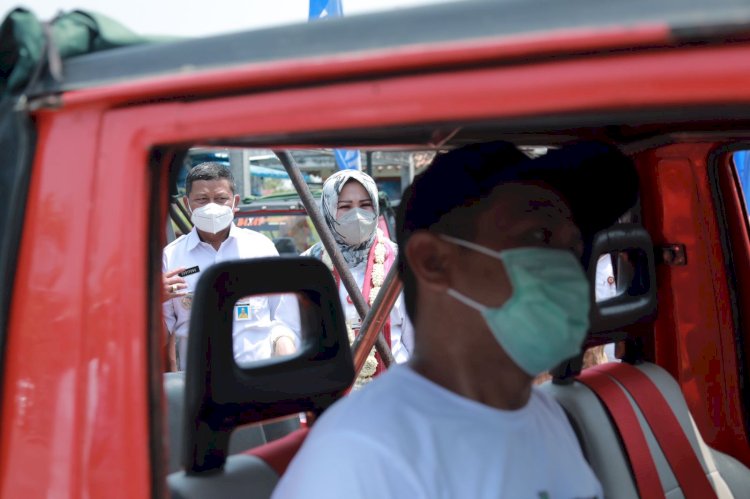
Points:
(190, 271)
(242, 312)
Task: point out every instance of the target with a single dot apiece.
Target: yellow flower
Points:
(371, 364)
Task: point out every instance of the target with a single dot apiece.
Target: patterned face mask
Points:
(354, 249)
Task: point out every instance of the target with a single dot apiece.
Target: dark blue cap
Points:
(598, 182)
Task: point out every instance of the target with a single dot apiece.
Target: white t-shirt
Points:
(258, 320)
(405, 436)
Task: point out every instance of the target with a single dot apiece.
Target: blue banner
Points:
(347, 159)
(742, 164)
(320, 9)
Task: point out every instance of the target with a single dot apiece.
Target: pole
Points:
(368, 155)
(239, 163)
(375, 320)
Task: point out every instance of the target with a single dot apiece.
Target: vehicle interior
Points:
(650, 259)
(670, 417)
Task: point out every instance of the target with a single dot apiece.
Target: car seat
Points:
(221, 396)
(600, 438)
(242, 439)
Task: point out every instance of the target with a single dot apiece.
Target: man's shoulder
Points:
(255, 238)
(374, 399)
(177, 243)
(360, 434)
(548, 408)
(249, 234)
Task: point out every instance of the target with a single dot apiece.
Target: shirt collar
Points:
(193, 239)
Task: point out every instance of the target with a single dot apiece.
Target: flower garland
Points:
(377, 278)
(371, 364)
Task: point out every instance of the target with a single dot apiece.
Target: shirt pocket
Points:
(253, 308)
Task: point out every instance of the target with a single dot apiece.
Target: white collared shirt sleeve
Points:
(287, 320)
(402, 332)
(168, 311)
(604, 289)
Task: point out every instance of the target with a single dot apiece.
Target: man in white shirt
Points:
(605, 288)
(261, 324)
(490, 245)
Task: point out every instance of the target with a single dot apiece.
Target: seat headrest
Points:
(220, 394)
(635, 301)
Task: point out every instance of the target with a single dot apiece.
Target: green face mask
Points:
(546, 318)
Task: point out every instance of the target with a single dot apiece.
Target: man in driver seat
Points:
(491, 247)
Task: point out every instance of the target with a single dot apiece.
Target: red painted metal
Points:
(74, 395)
(75, 403)
(694, 327)
(622, 82)
(739, 242)
(379, 62)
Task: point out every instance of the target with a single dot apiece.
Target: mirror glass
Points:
(266, 326)
(263, 327)
(620, 271)
(605, 283)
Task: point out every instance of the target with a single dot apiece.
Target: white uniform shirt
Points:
(258, 320)
(605, 286)
(405, 436)
(402, 332)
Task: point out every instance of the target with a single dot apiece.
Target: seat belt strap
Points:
(680, 455)
(622, 413)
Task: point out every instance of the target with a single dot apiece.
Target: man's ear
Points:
(429, 259)
(187, 205)
(236, 203)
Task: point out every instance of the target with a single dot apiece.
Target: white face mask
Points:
(213, 218)
(356, 226)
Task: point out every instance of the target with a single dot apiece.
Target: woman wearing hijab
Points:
(350, 208)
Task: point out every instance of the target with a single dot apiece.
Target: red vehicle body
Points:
(82, 406)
